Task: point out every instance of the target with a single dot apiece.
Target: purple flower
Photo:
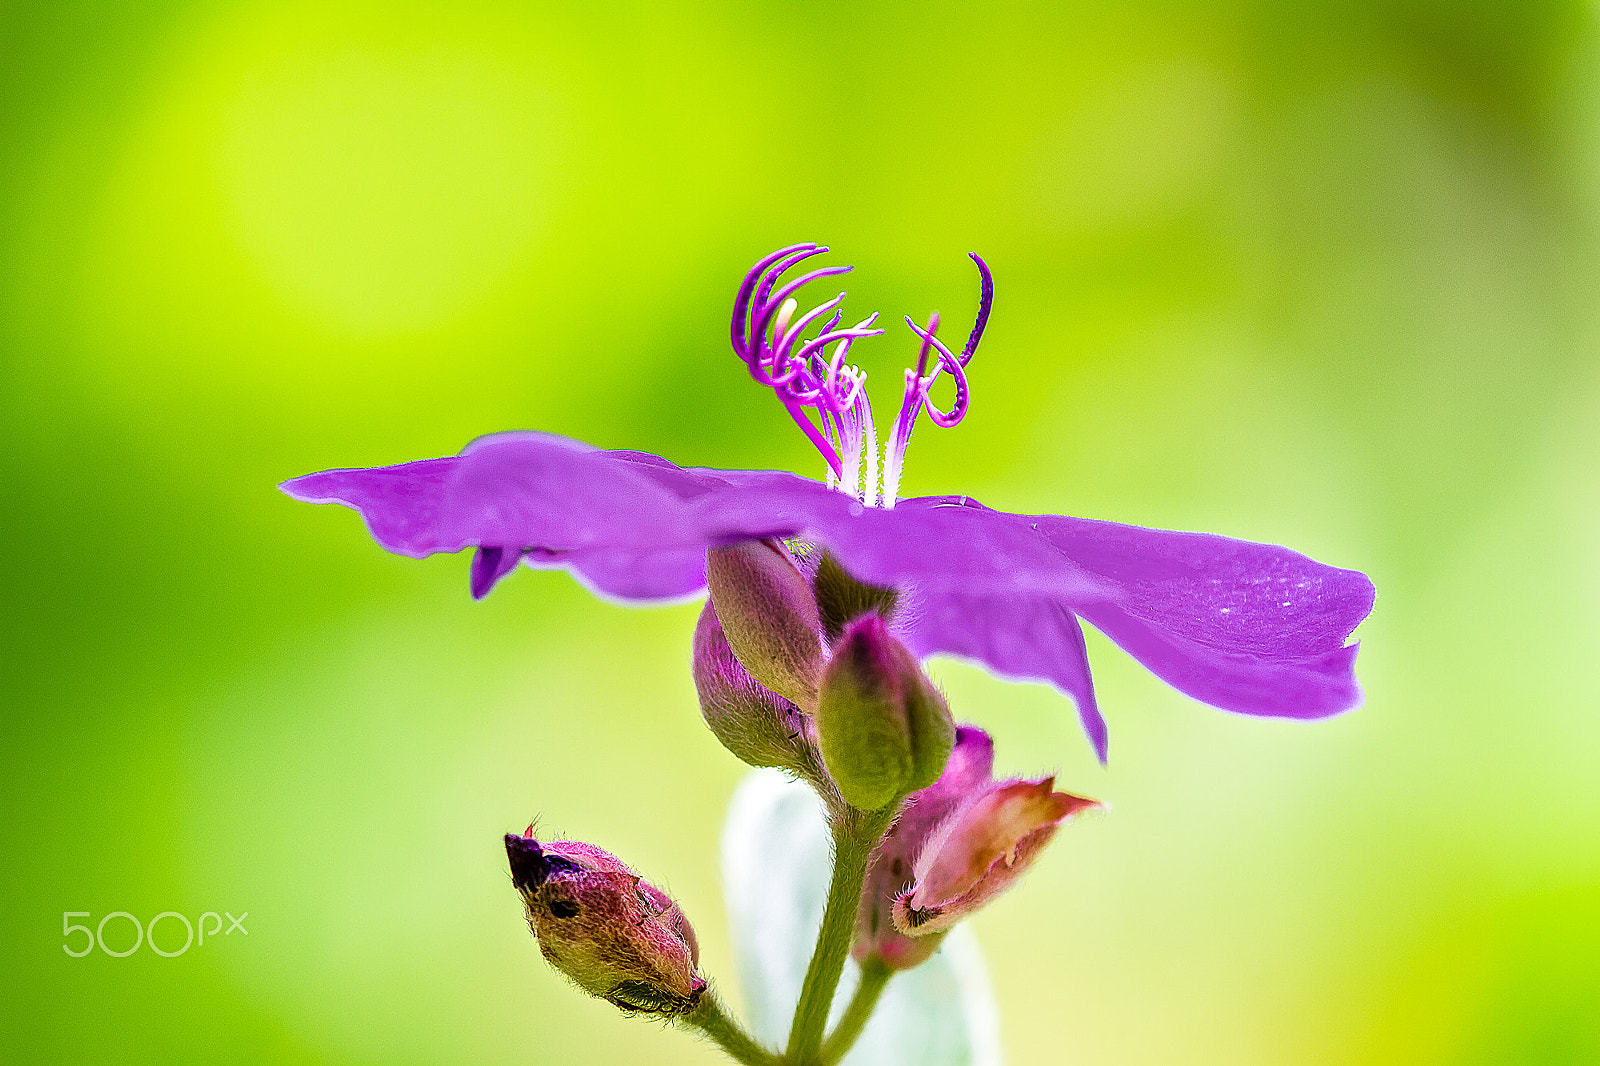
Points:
(1251, 628)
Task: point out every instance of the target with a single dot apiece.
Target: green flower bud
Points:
(756, 724)
(883, 728)
(768, 612)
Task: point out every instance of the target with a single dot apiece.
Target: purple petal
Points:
(1017, 638)
(616, 519)
(489, 565)
(400, 504)
(538, 490)
(931, 545)
(686, 484)
(631, 577)
(1258, 599)
(1248, 684)
(1247, 627)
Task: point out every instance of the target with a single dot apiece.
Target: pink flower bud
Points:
(890, 872)
(612, 933)
(956, 845)
(977, 852)
(767, 609)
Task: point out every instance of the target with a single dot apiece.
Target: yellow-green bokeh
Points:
(1321, 274)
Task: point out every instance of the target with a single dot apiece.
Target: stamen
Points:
(785, 312)
(863, 408)
(958, 409)
(757, 283)
(851, 480)
(985, 303)
(918, 381)
(894, 451)
(781, 347)
(922, 353)
(769, 336)
(762, 314)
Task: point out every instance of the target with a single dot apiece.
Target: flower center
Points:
(827, 396)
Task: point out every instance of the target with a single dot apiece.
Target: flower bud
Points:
(977, 852)
(955, 846)
(613, 934)
(890, 871)
(883, 728)
(768, 612)
(757, 725)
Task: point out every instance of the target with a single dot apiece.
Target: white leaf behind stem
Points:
(775, 867)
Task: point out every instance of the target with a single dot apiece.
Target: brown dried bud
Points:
(612, 933)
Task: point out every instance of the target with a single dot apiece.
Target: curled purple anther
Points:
(766, 309)
(947, 362)
(985, 302)
(747, 289)
(812, 347)
(777, 269)
(782, 345)
(918, 382)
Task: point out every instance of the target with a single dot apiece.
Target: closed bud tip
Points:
(769, 615)
(527, 862)
(884, 730)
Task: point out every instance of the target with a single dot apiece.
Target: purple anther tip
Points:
(985, 303)
(747, 288)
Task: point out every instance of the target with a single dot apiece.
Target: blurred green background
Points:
(1322, 274)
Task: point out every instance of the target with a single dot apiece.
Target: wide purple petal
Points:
(540, 490)
(1254, 599)
(631, 576)
(616, 520)
(1313, 687)
(932, 545)
(1253, 628)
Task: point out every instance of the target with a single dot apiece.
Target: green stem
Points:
(874, 977)
(712, 1019)
(833, 944)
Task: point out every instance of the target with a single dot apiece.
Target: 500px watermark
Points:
(146, 933)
